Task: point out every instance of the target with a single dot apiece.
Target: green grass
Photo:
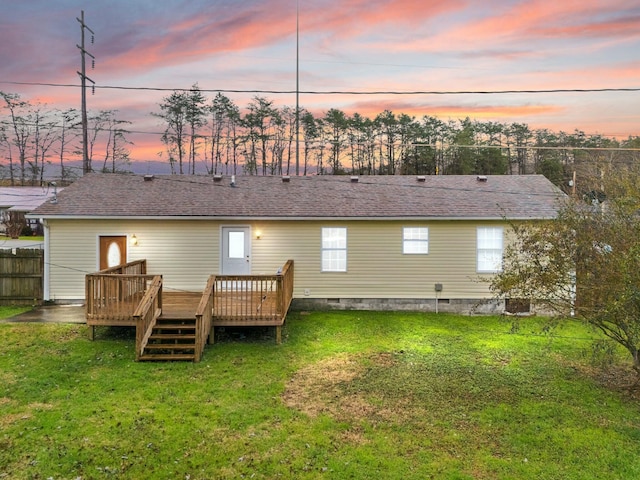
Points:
(347, 395)
(35, 238)
(6, 312)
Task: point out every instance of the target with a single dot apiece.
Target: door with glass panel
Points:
(236, 258)
(113, 251)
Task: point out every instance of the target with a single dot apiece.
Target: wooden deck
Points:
(180, 304)
(251, 307)
(127, 296)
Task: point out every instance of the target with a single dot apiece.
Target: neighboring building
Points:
(369, 242)
(23, 200)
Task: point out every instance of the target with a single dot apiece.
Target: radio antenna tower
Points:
(86, 164)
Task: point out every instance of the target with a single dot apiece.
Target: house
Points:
(23, 200)
(368, 242)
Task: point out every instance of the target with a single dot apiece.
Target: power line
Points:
(344, 92)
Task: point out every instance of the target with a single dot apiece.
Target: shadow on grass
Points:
(245, 335)
(222, 334)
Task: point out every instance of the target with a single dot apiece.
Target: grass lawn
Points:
(35, 238)
(357, 395)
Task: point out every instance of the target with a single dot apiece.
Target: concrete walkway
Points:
(51, 314)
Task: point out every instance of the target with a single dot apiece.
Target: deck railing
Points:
(204, 315)
(137, 267)
(146, 314)
(253, 299)
(112, 295)
(112, 299)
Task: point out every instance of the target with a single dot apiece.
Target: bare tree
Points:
(46, 134)
(21, 133)
(116, 158)
(69, 132)
(14, 223)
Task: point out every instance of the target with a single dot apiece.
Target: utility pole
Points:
(297, 87)
(86, 166)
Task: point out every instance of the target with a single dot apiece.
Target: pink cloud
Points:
(538, 20)
(209, 33)
(351, 17)
(612, 75)
(452, 110)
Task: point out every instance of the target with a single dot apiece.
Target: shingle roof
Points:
(400, 196)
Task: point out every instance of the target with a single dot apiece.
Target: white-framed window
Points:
(489, 249)
(334, 249)
(415, 240)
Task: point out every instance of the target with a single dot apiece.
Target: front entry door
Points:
(236, 258)
(113, 251)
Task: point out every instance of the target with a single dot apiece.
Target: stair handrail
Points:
(146, 314)
(133, 267)
(285, 288)
(204, 315)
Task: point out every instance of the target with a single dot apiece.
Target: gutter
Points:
(227, 218)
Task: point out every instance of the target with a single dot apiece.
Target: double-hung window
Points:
(489, 249)
(334, 249)
(415, 240)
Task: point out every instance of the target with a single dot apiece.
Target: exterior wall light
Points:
(258, 234)
(133, 241)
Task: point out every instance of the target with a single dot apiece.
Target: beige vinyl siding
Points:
(186, 252)
(72, 254)
(376, 266)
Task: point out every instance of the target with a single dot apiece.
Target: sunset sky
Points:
(346, 46)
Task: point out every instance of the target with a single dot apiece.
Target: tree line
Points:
(262, 141)
(35, 139)
(214, 135)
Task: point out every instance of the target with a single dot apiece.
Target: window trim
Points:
(415, 241)
(326, 249)
(482, 250)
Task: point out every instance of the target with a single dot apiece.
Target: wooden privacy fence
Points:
(21, 276)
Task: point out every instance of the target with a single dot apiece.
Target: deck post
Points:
(92, 332)
(278, 334)
(212, 338)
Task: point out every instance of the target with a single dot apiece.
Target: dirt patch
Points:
(316, 389)
(333, 387)
(621, 379)
(11, 418)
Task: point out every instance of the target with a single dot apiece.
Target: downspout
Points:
(46, 291)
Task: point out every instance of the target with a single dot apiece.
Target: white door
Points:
(236, 258)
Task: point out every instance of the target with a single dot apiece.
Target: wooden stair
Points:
(171, 339)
